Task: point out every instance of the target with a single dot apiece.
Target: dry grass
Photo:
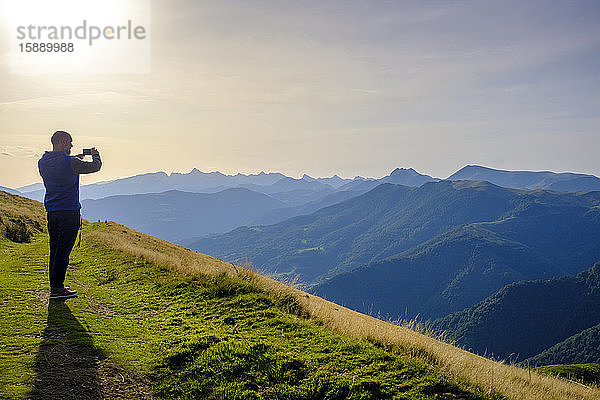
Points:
(517, 383)
(457, 364)
(125, 239)
(30, 211)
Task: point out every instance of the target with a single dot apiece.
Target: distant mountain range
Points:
(149, 212)
(526, 235)
(197, 182)
(31, 188)
(210, 182)
(156, 182)
(385, 221)
(430, 250)
(302, 190)
(174, 215)
(9, 190)
(554, 321)
(528, 179)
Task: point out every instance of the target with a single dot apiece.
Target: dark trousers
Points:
(62, 228)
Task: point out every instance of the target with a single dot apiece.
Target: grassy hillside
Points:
(180, 335)
(155, 319)
(588, 374)
(525, 318)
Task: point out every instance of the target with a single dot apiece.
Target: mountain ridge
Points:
(580, 348)
(198, 181)
(155, 182)
(175, 214)
(524, 319)
(566, 181)
(391, 219)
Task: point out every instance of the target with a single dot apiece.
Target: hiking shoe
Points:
(66, 293)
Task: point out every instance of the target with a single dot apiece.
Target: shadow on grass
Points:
(66, 366)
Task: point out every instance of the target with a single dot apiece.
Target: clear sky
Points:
(324, 87)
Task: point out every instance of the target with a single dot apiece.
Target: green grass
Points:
(586, 373)
(212, 337)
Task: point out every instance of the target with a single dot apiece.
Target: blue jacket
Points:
(60, 173)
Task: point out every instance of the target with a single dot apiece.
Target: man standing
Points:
(60, 173)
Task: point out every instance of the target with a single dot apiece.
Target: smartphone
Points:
(87, 152)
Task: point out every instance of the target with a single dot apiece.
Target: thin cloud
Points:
(70, 100)
(19, 152)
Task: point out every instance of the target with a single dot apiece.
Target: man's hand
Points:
(93, 151)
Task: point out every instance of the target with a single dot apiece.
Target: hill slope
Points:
(155, 319)
(545, 234)
(525, 318)
(281, 214)
(588, 374)
(581, 348)
(178, 335)
(380, 223)
(444, 275)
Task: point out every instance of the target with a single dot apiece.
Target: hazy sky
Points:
(324, 87)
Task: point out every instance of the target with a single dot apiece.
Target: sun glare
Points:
(72, 36)
(60, 12)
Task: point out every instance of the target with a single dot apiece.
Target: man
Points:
(60, 173)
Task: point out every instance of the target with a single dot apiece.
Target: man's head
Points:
(62, 141)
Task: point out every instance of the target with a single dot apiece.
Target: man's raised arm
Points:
(86, 167)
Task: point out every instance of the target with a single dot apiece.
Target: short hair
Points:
(59, 136)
